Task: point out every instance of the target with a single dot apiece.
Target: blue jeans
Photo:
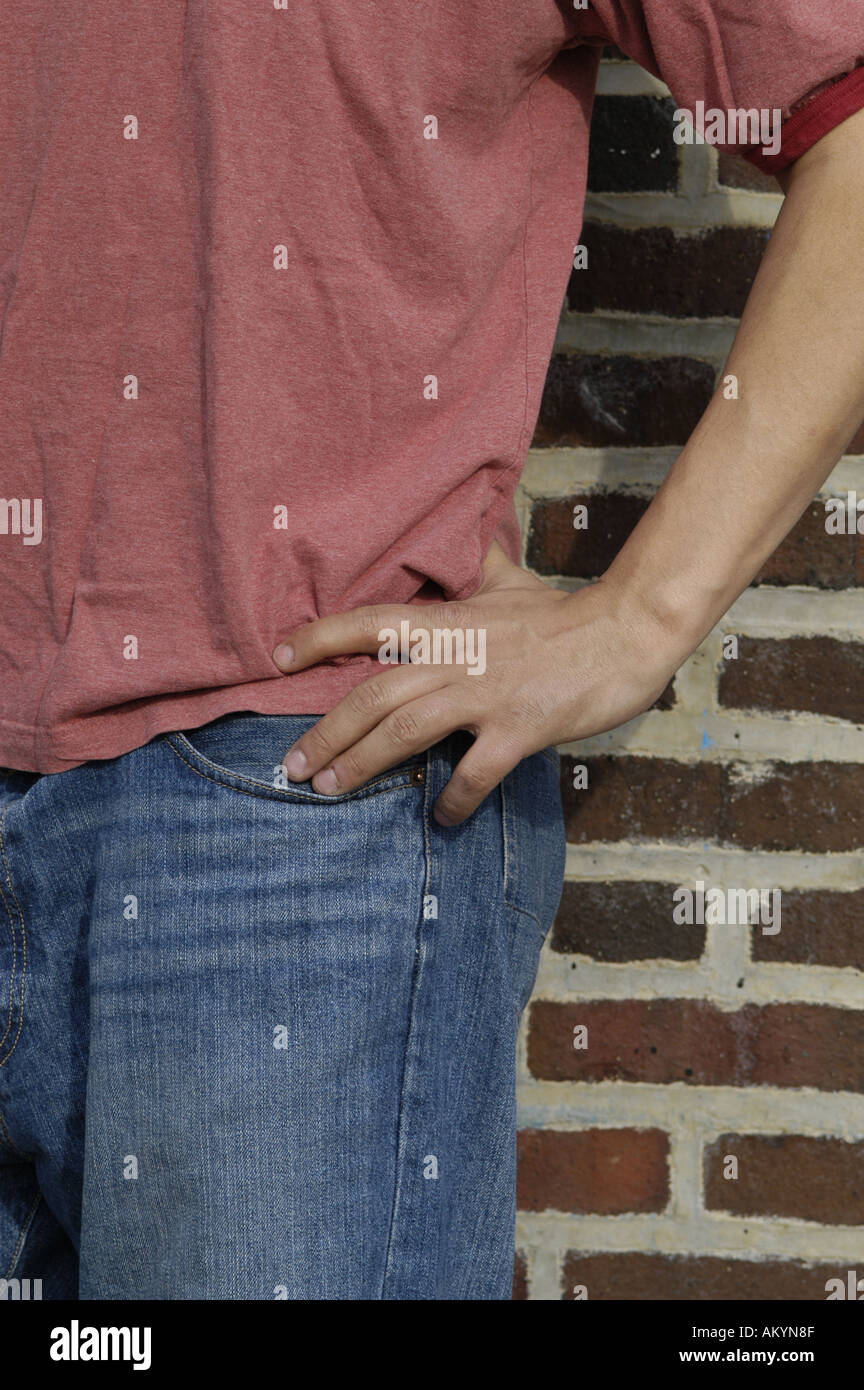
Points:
(259, 1043)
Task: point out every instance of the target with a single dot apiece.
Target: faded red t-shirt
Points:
(278, 288)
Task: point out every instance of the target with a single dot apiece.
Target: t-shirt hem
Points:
(45, 749)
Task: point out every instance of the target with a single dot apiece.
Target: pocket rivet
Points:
(418, 776)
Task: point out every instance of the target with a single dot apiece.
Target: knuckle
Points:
(369, 698)
(403, 727)
(370, 621)
(468, 783)
(445, 615)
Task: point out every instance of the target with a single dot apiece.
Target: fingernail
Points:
(295, 765)
(441, 818)
(326, 781)
(283, 655)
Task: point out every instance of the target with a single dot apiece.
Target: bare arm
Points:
(752, 465)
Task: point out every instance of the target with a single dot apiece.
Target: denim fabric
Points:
(259, 1043)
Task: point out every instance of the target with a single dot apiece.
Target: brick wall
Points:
(711, 1050)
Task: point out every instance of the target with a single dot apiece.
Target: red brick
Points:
(810, 556)
(815, 807)
(632, 149)
(815, 674)
(807, 556)
(681, 1278)
(658, 270)
(603, 1171)
(520, 1277)
(622, 401)
(856, 444)
(620, 921)
(818, 807)
(642, 798)
(658, 1041)
(790, 1176)
(817, 928)
(555, 547)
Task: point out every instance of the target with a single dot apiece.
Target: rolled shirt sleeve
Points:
(799, 64)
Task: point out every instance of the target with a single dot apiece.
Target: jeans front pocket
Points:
(243, 753)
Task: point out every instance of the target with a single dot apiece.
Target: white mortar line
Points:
(577, 979)
(606, 333)
(717, 864)
(734, 207)
(560, 472)
(544, 1273)
(734, 737)
(618, 79)
(742, 1238)
(714, 1110)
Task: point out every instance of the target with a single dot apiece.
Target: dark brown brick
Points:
(632, 149)
(657, 270)
(817, 928)
(604, 1171)
(680, 1278)
(733, 171)
(669, 697)
(520, 1277)
(623, 401)
(815, 674)
(658, 1041)
(788, 1175)
(807, 556)
(810, 556)
(642, 798)
(817, 807)
(555, 547)
(856, 444)
(619, 921)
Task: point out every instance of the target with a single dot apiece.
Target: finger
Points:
(412, 728)
(486, 763)
(356, 715)
(342, 634)
(387, 629)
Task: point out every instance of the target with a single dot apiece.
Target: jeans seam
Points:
(5, 861)
(388, 1273)
(357, 795)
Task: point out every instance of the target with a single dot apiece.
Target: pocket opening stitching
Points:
(290, 796)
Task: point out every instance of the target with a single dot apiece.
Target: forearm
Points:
(753, 463)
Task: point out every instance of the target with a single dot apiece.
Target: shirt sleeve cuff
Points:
(808, 123)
